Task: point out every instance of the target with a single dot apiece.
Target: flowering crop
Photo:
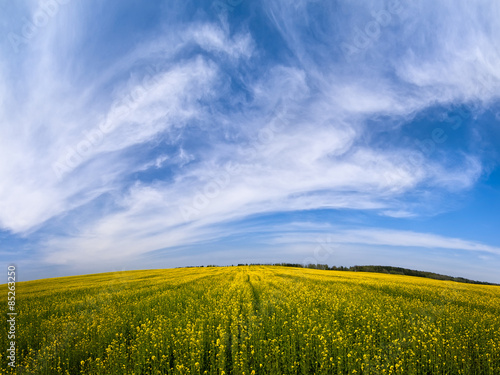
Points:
(255, 320)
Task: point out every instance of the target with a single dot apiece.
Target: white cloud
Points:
(382, 237)
(212, 38)
(57, 146)
(377, 236)
(297, 133)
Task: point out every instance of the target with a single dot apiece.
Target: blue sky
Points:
(159, 134)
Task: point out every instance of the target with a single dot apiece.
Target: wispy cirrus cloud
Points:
(58, 148)
(167, 136)
(388, 237)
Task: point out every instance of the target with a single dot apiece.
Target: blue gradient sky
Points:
(171, 133)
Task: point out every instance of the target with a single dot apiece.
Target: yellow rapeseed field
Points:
(254, 320)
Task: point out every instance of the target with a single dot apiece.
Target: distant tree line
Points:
(377, 269)
(409, 272)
